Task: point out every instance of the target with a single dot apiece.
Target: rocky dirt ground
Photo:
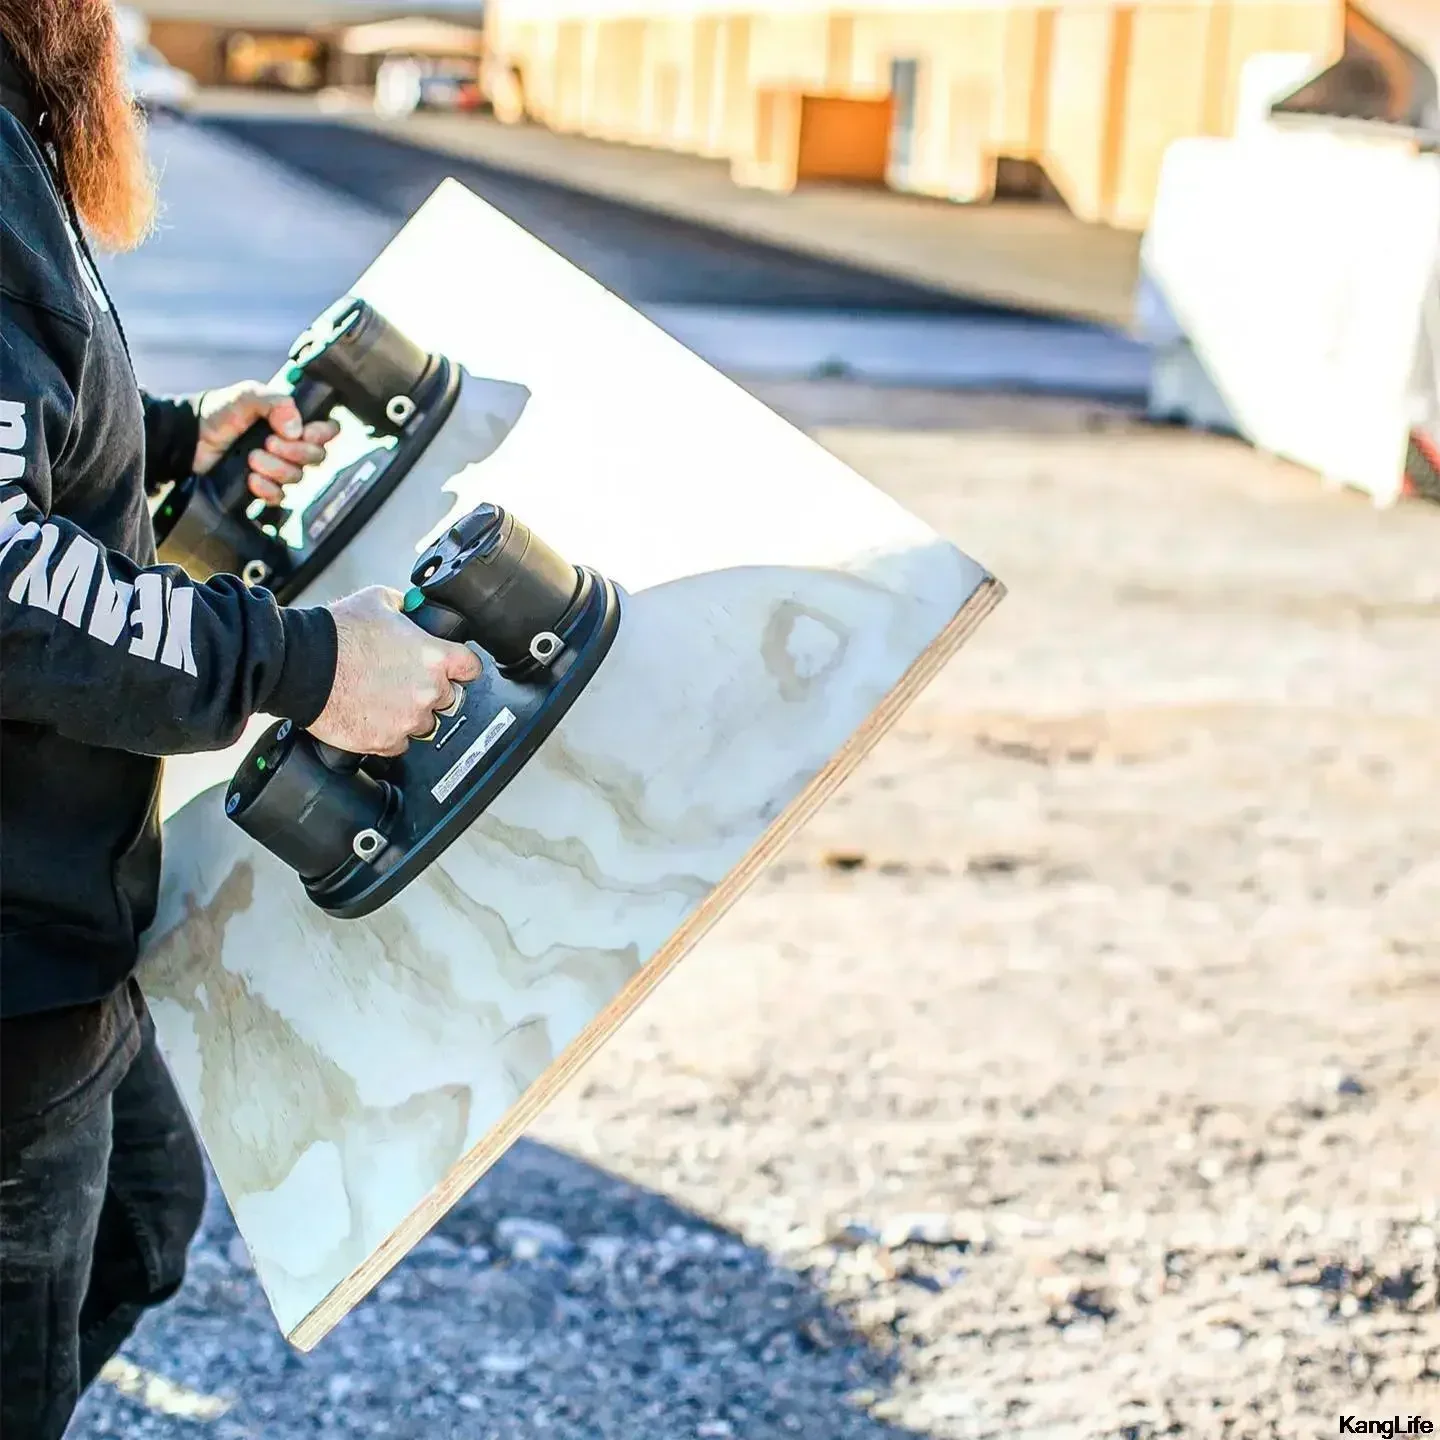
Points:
(1075, 1074)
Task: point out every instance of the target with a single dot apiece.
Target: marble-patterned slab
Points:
(350, 1079)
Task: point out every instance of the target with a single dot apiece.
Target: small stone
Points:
(1055, 1290)
(713, 1429)
(1273, 1349)
(238, 1254)
(503, 1365)
(798, 1239)
(1226, 1337)
(467, 1401)
(525, 1239)
(339, 1387)
(930, 1228)
(853, 1234)
(606, 1249)
(1341, 1081)
(950, 1404)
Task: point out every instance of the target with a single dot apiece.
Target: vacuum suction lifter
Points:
(358, 829)
(351, 360)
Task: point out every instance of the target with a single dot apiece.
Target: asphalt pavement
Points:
(751, 308)
(643, 256)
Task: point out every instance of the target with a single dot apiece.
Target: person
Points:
(109, 661)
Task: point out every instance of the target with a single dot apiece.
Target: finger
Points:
(297, 452)
(265, 489)
(245, 402)
(284, 416)
(461, 663)
(321, 432)
(427, 702)
(272, 467)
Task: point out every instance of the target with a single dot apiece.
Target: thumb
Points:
(461, 663)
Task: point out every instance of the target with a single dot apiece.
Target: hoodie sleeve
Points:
(172, 430)
(103, 650)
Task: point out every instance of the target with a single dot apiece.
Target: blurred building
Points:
(961, 100)
(291, 44)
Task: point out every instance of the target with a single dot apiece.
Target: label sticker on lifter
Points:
(473, 756)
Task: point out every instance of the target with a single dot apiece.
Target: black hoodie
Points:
(107, 659)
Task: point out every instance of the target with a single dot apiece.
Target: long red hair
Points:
(73, 52)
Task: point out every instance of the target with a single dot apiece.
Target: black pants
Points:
(102, 1188)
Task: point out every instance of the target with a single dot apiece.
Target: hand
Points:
(225, 415)
(390, 676)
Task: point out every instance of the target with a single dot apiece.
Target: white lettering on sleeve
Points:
(179, 652)
(28, 531)
(10, 508)
(13, 432)
(112, 605)
(71, 578)
(152, 608)
(147, 619)
(30, 585)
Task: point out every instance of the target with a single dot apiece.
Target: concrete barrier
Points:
(1286, 279)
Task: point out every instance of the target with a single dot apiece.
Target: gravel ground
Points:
(1074, 1074)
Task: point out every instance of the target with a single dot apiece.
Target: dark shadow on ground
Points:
(643, 256)
(600, 1310)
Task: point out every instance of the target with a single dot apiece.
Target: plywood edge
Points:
(466, 1171)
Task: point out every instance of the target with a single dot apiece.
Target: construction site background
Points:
(958, 101)
(964, 102)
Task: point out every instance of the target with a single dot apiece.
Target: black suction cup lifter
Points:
(309, 804)
(508, 589)
(377, 371)
(193, 530)
(359, 829)
(353, 359)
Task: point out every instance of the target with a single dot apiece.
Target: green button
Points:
(294, 375)
(414, 599)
